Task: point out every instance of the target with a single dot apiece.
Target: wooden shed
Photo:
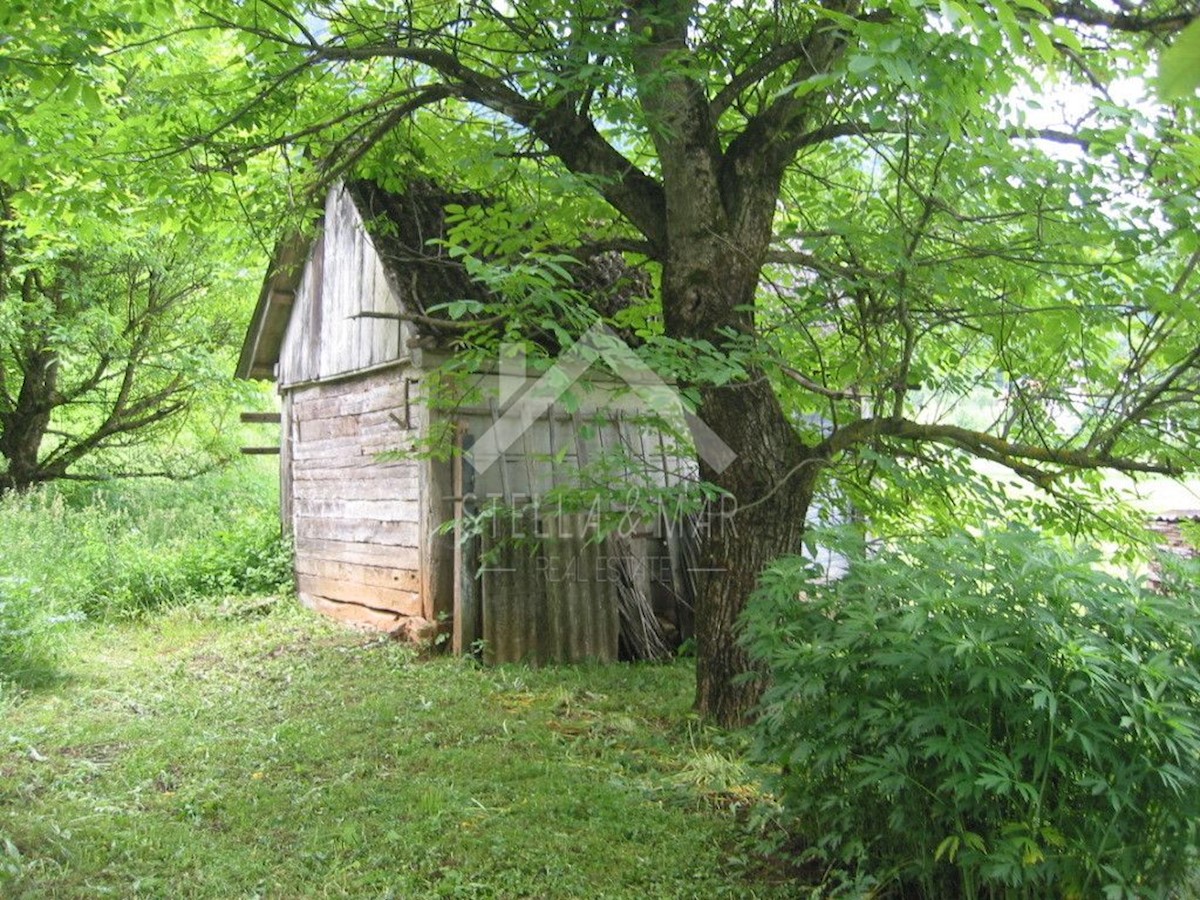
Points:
(378, 483)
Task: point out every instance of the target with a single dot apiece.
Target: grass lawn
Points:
(262, 752)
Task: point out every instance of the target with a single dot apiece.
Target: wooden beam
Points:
(260, 451)
(264, 418)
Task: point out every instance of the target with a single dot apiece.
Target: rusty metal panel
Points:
(546, 592)
(549, 591)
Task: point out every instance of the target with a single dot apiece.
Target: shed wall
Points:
(327, 335)
(356, 518)
(559, 593)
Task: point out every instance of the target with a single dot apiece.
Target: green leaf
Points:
(1179, 65)
(947, 848)
(1042, 43)
(861, 63)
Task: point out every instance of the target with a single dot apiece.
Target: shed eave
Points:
(264, 336)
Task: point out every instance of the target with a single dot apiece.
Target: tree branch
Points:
(1086, 14)
(432, 322)
(1015, 456)
(755, 72)
(571, 136)
(809, 385)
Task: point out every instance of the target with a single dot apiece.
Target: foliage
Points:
(118, 550)
(111, 363)
(856, 220)
(1179, 65)
(1191, 533)
(121, 266)
(29, 633)
(987, 715)
(284, 756)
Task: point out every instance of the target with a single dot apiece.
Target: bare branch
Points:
(809, 385)
(432, 322)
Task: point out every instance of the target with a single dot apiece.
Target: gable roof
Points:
(404, 229)
(401, 227)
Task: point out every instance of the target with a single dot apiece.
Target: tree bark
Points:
(717, 230)
(23, 427)
(709, 287)
(769, 489)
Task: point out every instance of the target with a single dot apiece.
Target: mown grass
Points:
(258, 751)
(118, 550)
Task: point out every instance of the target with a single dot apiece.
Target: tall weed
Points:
(120, 549)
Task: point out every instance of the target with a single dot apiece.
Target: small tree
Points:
(100, 354)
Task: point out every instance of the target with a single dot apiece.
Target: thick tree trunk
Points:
(718, 208)
(770, 487)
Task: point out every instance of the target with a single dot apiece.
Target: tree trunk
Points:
(708, 289)
(23, 428)
(718, 209)
(770, 487)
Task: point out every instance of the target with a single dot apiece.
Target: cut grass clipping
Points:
(258, 751)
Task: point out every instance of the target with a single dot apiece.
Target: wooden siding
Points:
(342, 278)
(356, 517)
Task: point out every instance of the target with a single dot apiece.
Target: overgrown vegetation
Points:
(267, 752)
(985, 716)
(118, 550)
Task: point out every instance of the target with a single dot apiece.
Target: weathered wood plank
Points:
(403, 534)
(286, 468)
(406, 603)
(369, 445)
(388, 466)
(334, 463)
(313, 430)
(386, 301)
(260, 418)
(369, 393)
(330, 447)
(359, 552)
(402, 489)
(437, 547)
(370, 510)
(399, 479)
(386, 577)
(353, 614)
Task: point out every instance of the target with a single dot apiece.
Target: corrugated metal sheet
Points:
(546, 599)
(550, 591)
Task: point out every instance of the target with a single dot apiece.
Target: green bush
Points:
(984, 716)
(125, 548)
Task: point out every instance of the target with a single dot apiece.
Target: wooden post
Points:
(438, 560)
(468, 625)
(286, 447)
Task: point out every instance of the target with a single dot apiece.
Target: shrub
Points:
(984, 716)
(32, 612)
(130, 547)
